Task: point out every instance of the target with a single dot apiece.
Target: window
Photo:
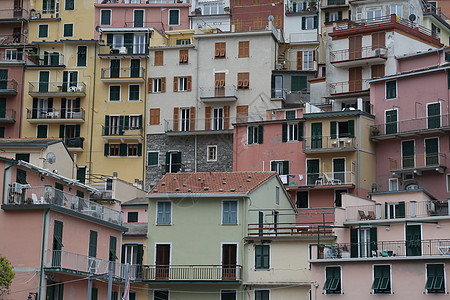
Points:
(435, 31)
(448, 183)
(391, 89)
(164, 213)
(134, 122)
(262, 257)
(381, 279)
(435, 283)
(255, 134)
(262, 294)
(211, 153)
(138, 18)
(394, 210)
(244, 49)
(229, 212)
(159, 58)
(11, 54)
(114, 93)
(228, 295)
(298, 83)
(309, 23)
(184, 56)
(68, 30)
(184, 118)
(114, 149)
(220, 50)
(433, 115)
(42, 131)
(173, 162)
(55, 290)
(291, 132)
(117, 41)
(183, 42)
(290, 114)
(332, 283)
(333, 16)
(154, 116)
(277, 195)
(152, 158)
(132, 254)
(397, 9)
(308, 57)
(345, 129)
(132, 149)
(281, 167)
(156, 86)
(81, 56)
(213, 9)
(132, 217)
(174, 17)
(161, 295)
(338, 197)
(93, 243)
(43, 31)
(69, 5)
(302, 199)
(218, 118)
(243, 80)
(373, 15)
(105, 17)
(140, 45)
(277, 86)
(182, 84)
(134, 92)
(393, 184)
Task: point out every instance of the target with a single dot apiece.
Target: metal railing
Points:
(349, 86)
(334, 2)
(416, 124)
(391, 210)
(125, 48)
(55, 113)
(206, 124)
(278, 94)
(328, 143)
(284, 229)
(13, 55)
(8, 115)
(218, 92)
(418, 161)
(319, 179)
(57, 87)
(393, 249)
(192, 272)
(386, 20)
(8, 85)
(12, 39)
(125, 73)
(25, 195)
(364, 52)
(121, 131)
(307, 36)
(47, 59)
(141, 1)
(15, 13)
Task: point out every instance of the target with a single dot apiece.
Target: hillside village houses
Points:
(212, 149)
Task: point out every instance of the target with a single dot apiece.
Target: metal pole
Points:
(110, 277)
(89, 297)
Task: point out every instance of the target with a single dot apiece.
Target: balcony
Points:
(128, 2)
(397, 210)
(122, 134)
(124, 50)
(8, 87)
(57, 89)
(54, 115)
(418, 163)
(300, 7)
(305, 37)
(123, 74)
(353, 58)
(7, 116)
(191, 273)
(11, 15)
(53, 60)
(411, 127)
(286, 229)
(12, 39)
(349, 87)
(218, 94)
(48, 14)
(334, 3)
(439, 248)
(25, 196)
(319, 180)
(325, 144)
(218, 125)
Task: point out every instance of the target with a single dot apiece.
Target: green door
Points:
(431, 151)
(312, 171)
(57, 244)
(413, 240)
(3, 79)
(3, 108)
(115, 68)
(316, 135)
(391, 121)
(135, 66)
(44, 77)
(434, 115)
(339, 170)
(407, 154)
(138, 18)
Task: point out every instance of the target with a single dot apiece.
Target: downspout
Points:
(196, 106)
(92, 112)
(44, 227)
(4, 181)
(144, 118)
(21, 98)
(359, 154)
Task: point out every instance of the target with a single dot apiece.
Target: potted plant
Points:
(375, 131)
(29, 201)
(226, 9)
(312, 5)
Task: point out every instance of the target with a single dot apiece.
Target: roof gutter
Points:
(409, 74)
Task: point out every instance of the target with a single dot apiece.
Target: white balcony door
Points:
(218, 118)
(139, 44)
(70, 108)
(184, 124)
(42, 108)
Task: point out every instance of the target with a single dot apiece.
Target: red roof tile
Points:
(210, 183)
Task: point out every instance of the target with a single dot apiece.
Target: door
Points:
(354, 47)
(139, 44)
(220, 85)
(44, 77)
(218, 118)
(413, 240)
(44, 106)
(184, 119)
(2, 108)
(432, 151)
(57, 244)
(229, 261)
(135, 68)
(316, 135)
(434, 115)
(70, 81)
(71, 110)
(355, 79)
(391, 121)
(139, 18)
(407, 154)
(312, 171)
(339, 171)
(162, 262)
(113, 125)
(114, 70)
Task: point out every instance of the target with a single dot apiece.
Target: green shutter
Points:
(304, 24)
(127, 123)
(373, 241)
(327, 17)
(81, 174)
(69, 5)
(140, 253)
(167, 162)
(43, 31)
(2, 132)
(44, 77)
(431, 151)
(94, 293)
(173, 17)
(351, 128)
(284, 132)
(109, 39)
(42, 131)
(21, 176)
(112, 248)
(333, 129)
(340, 15)
(106, 125)
(139, 150)
(315, 22)
(401, 209)
(353, 242)
(273, 166)
(61, 131)
(2, 108)
(106, 150)
(123, 150)
(285, 167)
(93, 243)
(128, 41)
(434, 115)
(65, 81)
(68, 30)
(82, 56)
(105, 18)
(250, 135)
(121, 123)
(152, 158)
(391, 121)
(300, 131)
(260, 134)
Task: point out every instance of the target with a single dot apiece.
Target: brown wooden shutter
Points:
(150, 85)
(163, 84)
(208, 118)
(241, 113)
(299, 60)
(243, 80)
(246, 79)
(192, 118)
(184, 56)
(226, 114)
(176, 116)
(240, 82)
(378, 40)
(189, 83)
(220, 50)
(243, 49)
(219, 84)
(154, 116)
(355, 47)
(355, 79)
(175, 84)
(377, 71)
(314, 55)
(159, 58)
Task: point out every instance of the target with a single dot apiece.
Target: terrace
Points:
(319, 180)
(418, 163)
(218, 94)
(362, 56)
(55, 115)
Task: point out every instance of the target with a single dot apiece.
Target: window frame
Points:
(134, 214)
(388, 289)
(64, 30)
(308, 18)
(338, 289)
(156, 213)
(157, 158)
(101, 17)
(161, 290)
(138, 117)
(132, 150)
(159, 85)
(292, 132)
(390, 185)
(109, 93)
(387, 96)
(37, 131)
(65, 5)
(260, 290)
(228, 290)
(222, 212)
(308, 60)
(139, 93)
(114, 145)
(181, 80)
(168, 15)
(437, 291)
(78, 55)
(394, 7)
(259, 265)
(207, 153)
(39, 31)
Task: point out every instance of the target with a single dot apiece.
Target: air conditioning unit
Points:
(430, 207)
(379, 52)
(412, 187)
(123, 50)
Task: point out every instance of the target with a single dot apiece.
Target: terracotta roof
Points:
(210, 183)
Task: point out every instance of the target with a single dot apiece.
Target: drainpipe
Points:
(196, 106)
(21, 97)
(92, 112)
(359, 153)
(41, 272)
(4, 181)
(144, 118)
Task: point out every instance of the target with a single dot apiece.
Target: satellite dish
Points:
(97, 28)
(271, 18)
(50, 157)
(412, 17)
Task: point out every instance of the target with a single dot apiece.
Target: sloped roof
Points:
(26, 142)
(210, 183)
(139, 201)
(136, 229)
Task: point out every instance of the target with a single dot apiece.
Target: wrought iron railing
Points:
(8, 85)
(364, 52)
(411, 125)
(284, 229)
(349, 86)
(126, 73)
(328, 143)
(57, 87)
(218, 92)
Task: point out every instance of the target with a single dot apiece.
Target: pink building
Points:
(412, 123)
(54, 236)
(395, 243)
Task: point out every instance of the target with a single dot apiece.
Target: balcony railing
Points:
(284, 229)
(141, 1)
(307, 36)
(55, 114)
(360, 54)
(315, 216)
(328, 144)
(125, 49)
(12, 39)
(74, 142)
(415, 125)
(334, 2)
(123, 73)
(218, 92)
(8, 86)
(7, 116)
(319, 179)
(47, 59)
(382, 250)
(186, 126)
(12, 56)
(57, 88)
(121, 131)
(191, 273)
(418, 161)
(396, 210)
(25, 195)
(16, 13)
(349, 86)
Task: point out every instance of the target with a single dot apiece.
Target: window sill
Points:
(163, 224)
(230, 224)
